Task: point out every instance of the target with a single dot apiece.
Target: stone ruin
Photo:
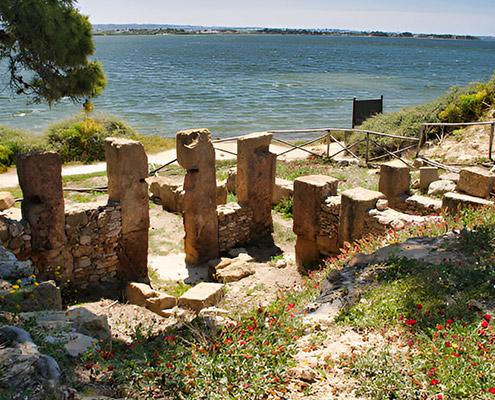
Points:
(97, 247)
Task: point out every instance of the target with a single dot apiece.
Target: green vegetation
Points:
(442, 343)
(459, 104)
(53, 41)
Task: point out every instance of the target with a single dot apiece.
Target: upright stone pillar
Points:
(127, 169)
(395, 179)
(40, 178)
(255, 181)
(353, 211)
(309, 193)
(196, 154)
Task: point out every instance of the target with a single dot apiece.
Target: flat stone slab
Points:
(427, 204)
(453, 202)
(203, 295)
(234, 271)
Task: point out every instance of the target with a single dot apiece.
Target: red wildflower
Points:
(410, 322)
(442, 312)
(168, 365)
(133, 345)
(484, 324)
(460, 262)
(435, 382)
(432, 372)
(487, 317)
(419, 306)
(242, 342)
(492, 390)
(447, 344)
(291, 305)
(450, 321)
(456, 355)
(250, 328)
(89, 366)
(110, 368)
(439, 396)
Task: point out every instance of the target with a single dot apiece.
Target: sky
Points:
(472, 17)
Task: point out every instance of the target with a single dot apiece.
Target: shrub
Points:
(16, 141)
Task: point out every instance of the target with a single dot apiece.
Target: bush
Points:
(16, 141)
(81, 139)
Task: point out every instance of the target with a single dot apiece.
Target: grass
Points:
(445, 342)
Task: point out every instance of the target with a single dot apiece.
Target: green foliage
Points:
(15, 141)
(82, 139)
(52, 40)
(285, 207)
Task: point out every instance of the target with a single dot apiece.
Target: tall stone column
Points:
(255, 181)
(127, 169)
(40, 178)
(195, 153)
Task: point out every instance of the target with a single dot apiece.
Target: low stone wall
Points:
(93, 235)
(234, 220)
(330, 216)
(15, 236)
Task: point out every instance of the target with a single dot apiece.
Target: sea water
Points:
(237, 84)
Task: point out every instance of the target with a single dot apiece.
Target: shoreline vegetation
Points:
(106, 30)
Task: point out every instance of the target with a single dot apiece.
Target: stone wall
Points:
(15, 236)
(93, 235)
(234, 220)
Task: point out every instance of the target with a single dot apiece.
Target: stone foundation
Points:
(234, 220)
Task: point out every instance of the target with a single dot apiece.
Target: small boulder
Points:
(235, 271)
(441, 187)
(6, 201)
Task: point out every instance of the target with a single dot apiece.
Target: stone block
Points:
(454, 202)
(440, 187)
(283, 189)
(427, 175)
(476, 181)
(395, 179)
(234, 271)
(162, 301)
(450, 176)
(255, 181)
(354, 209)
(6, 200)
(203, 295)
(194, 149)
(328, 245)
(307, 253)
(423, 205)
(143, 295)
(169, 190)
(45, 296)
(309, 193)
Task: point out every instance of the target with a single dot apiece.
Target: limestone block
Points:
(40, 178)
(169, 191)
(394, 180)
(440, 187)
(194, 149)
(423, 205)
(427, 175)
(6, 200)
(162, 301)
(203, 295)
(283, 190)
(454, 202)
(309, 193)
(234, 271)
(450, 176)
(307, 253)
(137, 293)
(476, 181)
(255, 180)
(354, 208)
(45, 296)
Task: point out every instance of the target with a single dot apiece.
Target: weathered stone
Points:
(169, 190)
(234, 271)
(454, 202)
(309, 192)
(307, 253)
(450, 176)
(79, 344)
(355, 205)
(45, 296)
(40, 178)
(231, 178)
(127, 169)
(394, 180)
(422, 205)
(76, 218)
(328, 245)
(283, 189)
(137, 293)
(476, 181)
(441, 187)
(382, 204)
(6, 200)
(234, 221)
(201, 296)
(161, 301)
(255, 180)
(196, 154)
(23, 368)
(11, 268)
(427, 175)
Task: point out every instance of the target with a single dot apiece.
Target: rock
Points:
(476, 181)
(143, 295)
(230, 184)
(203, 295)
(283, 189)
(450, 176)
(11, 268)
(382, 205)
(6, 200)
(303, 373)
(234, 271)
(441, 187)
(427, 175)
(79, 344)
(45, 296)
(394, 180)
(23, 367)
(454, 202)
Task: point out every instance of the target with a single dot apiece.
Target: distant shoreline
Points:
(126, 31)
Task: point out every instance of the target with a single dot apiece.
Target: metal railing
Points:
(423, 130)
